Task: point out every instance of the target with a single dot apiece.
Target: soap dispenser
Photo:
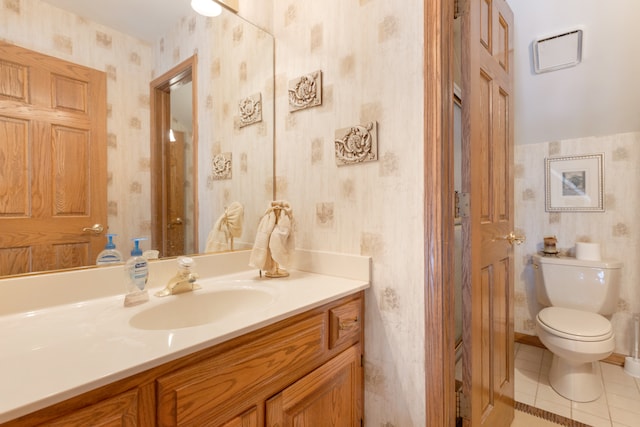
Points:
(137, 272)
(110, 255)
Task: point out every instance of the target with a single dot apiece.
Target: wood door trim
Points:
(159, 102)
(438, 213)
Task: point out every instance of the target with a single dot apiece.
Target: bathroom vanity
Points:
(298, 358)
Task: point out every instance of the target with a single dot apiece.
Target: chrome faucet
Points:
(183, 281)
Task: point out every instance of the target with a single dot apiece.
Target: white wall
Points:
(596, 98)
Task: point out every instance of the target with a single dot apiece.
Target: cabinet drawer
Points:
(345, 323)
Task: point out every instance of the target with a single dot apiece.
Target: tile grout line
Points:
(606, 394)
(535, 397)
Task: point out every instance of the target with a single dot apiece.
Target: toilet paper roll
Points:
(588, 251)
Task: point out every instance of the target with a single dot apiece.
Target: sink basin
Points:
(200, 308)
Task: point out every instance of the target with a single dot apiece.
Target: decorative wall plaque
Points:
(356, 144)
(250, 110)
(221, 166)
(305, 91)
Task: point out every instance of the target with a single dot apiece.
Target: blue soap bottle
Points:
(110, 255)
(137, 272)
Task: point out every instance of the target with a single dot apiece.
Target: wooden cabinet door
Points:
(330, 396)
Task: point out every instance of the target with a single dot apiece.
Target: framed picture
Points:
(574, 183)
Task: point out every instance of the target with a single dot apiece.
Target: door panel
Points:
(14, 182)
(482, 150)
(53, 171)
(488, 178)
(175, 195)
(502, 141)
(70, 171)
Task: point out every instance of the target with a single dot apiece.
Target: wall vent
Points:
(557, 52)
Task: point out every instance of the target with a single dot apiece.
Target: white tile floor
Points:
(619, 406)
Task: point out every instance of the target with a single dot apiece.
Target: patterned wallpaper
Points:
(127, 63)
(370, 55)
(615, 229)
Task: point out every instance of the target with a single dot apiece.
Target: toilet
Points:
(577, 294)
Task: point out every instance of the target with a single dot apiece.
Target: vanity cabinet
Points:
(304, 369)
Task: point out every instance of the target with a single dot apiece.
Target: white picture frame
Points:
(574, 183)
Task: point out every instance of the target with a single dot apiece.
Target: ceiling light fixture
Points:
(206, 7)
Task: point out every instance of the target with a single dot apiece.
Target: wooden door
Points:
(175, 195)
(487, 157)
(327, 397)
(53, 167)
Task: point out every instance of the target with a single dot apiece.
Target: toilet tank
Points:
(583, 285)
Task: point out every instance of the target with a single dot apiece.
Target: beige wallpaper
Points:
(370, 54)
(36, 25)
(616, 229)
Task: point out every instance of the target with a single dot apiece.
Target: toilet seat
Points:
(575, 325)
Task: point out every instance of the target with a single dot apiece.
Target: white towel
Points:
(281, 241)
(261, 255)
(229, 225)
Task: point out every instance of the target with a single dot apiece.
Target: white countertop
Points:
(51, 354)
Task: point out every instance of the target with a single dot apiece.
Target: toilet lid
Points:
(575, 324)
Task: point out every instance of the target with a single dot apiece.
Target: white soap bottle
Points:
(110, 255)
(137, 271)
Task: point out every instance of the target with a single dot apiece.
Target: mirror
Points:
(235, 62)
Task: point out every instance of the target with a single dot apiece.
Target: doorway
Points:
(174, 149)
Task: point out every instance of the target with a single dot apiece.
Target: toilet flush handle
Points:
(513, 238)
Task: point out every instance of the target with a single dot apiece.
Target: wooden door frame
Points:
(160, 122)
(439, 352)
